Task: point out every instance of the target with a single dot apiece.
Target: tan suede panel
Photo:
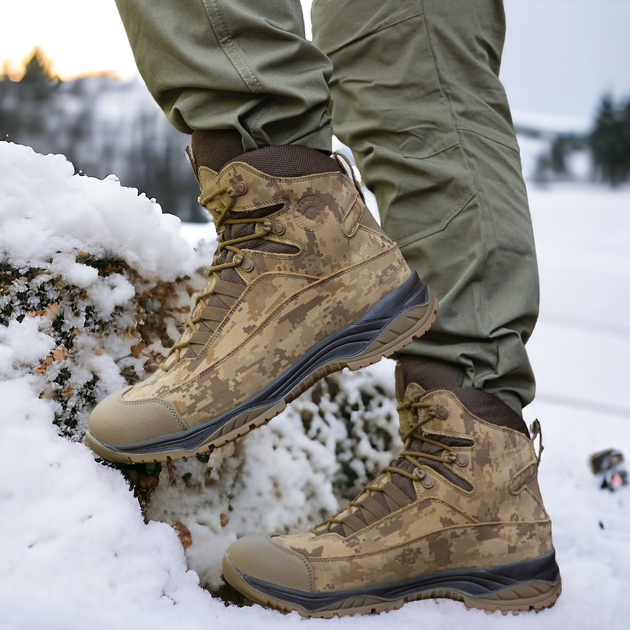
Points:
(412, 522)
(262, 298)
(282, 339)
(482, 545)
(258, 557)
(213, 384)
(259, 301)
(117, 421)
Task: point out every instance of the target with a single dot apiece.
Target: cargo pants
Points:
(412, 87)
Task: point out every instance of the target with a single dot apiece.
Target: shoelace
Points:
(448, 456)
(219, 221)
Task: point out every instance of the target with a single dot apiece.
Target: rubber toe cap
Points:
(116, 421)
(257, 556)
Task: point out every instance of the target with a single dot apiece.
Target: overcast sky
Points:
(560, 55)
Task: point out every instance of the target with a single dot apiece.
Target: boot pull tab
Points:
(344, 163)
(192, 164)
(536, 430)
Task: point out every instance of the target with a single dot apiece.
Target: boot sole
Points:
(366, 341)
(516, 587)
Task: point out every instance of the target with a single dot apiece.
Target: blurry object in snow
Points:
(608, 465)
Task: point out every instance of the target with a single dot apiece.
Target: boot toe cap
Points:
(257, 556)
(115, 421)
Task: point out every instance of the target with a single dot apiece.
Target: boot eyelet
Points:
(247, 264)
(462, 460)
(274, 227)
(238, 259)
(240, 188)
(451, 457)
(419, 474)
(427, 482)
(441, 413)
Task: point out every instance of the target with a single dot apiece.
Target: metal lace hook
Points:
(536, 430)
(191, 159)
(345, 164)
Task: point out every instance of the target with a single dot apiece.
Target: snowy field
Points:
(75, 552)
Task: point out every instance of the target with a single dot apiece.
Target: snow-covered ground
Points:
(75, 551)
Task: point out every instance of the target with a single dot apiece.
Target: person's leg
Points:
(416, 96)
(304, 282)
(233, 64)
(459, 513)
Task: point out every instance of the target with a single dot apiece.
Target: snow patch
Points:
(46, 211)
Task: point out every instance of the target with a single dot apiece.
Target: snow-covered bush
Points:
(99, 275)
(94, 284)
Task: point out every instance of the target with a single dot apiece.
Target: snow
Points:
(78, 543)
(581, 343)
(552, 124)
(63, 212)
(75, 549)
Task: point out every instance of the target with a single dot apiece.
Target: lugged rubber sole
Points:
(376, 335)
(494, 588)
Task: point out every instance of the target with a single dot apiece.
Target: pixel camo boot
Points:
(304, 283)
(458, 514)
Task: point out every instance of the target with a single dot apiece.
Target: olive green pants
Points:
(413, 90)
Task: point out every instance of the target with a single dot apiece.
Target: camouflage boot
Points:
(304, 283)
(458, 514)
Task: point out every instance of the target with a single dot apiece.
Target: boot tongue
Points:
(408, 417)
(430, 373)
(214, 148)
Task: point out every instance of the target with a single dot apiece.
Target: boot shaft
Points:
(491, 446)
(316, 224)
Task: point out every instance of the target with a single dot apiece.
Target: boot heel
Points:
(398, 334)
(534, 595)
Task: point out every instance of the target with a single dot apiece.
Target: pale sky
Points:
(80, 36)
(560, 55)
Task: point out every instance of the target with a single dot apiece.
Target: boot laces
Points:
(220, 220)
(447, 457)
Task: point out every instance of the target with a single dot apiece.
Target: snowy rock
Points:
(95, 280)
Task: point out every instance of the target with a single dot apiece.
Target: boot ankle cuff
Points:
(289, 160)
(429, 373)
(491, 409)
